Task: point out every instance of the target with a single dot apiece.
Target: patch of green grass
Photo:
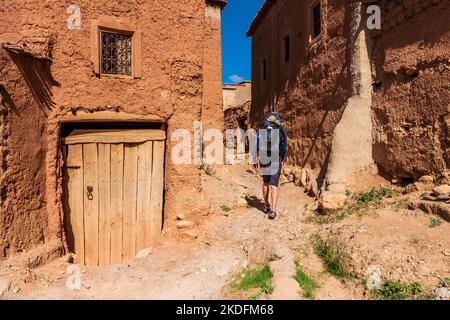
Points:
(391, 290)
(324, 217)
(396, 290)
(334, 255)
(259, 277)
(225, 208)
(355, 203)
(307, 283)
(435, 222)
(374, 195)
(255, 296)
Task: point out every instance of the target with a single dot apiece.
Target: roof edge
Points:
(222, 3)
(262, 12)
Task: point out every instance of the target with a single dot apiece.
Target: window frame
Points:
(311, 38)
(120, 26)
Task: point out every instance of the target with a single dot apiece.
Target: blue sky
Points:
(236, 47)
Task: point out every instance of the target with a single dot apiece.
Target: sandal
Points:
(272, 215)
(266, 209)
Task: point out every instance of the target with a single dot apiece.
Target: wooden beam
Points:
(114, 136)
(108, 116)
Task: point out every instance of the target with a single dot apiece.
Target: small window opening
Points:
(317, 23)
(264, 69)
(287, 49)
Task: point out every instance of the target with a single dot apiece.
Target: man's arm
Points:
(283, 141)
(254, 151)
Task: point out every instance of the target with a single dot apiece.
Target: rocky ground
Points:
(389, 239)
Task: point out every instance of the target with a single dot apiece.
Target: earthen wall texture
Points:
(236, 104)
(175, 87)
(411, 69)
(410, 112)
(311, 89)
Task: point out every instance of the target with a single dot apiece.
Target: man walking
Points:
(271, 146)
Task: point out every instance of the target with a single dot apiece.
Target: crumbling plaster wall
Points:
(23, 219)
(310, 91)
(351, 150)
(411, 71)
(170, 89)
(410, 78)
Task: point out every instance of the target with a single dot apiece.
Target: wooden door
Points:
(114, 184)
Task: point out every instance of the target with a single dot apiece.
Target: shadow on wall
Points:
(310, 103)
(38, 78)
(6, 99)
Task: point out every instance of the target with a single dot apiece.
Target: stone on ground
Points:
(426, 179)
(332, 200)
(442, 190)
(184, 224)
(4, 286)
(144, 253)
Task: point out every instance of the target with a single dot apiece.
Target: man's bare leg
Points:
(266, 190)
(274, 198)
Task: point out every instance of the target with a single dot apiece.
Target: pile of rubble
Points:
(435, 195)
(432, 189)
(301, 177)
(439, 193)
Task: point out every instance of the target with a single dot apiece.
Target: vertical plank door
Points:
(114, 193)
(74, 198)
(91, 196)
(157, 189)
(129, 200)
(104, 204)
(145, 156)
(116, 202)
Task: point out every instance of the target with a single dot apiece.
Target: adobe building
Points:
(236, 104)
(89, 98)
(358, 103)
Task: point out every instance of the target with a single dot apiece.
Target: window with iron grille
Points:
(115, 53)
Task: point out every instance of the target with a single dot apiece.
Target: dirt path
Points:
(229, 242)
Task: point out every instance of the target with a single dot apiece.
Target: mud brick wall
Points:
(310, 90)
(177, 39)
(23, 219)
(411, 71)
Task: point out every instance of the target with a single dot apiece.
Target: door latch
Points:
(90, 189)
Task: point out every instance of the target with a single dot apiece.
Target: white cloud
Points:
(236, 78)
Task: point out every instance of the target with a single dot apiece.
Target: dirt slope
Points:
(200, 264)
